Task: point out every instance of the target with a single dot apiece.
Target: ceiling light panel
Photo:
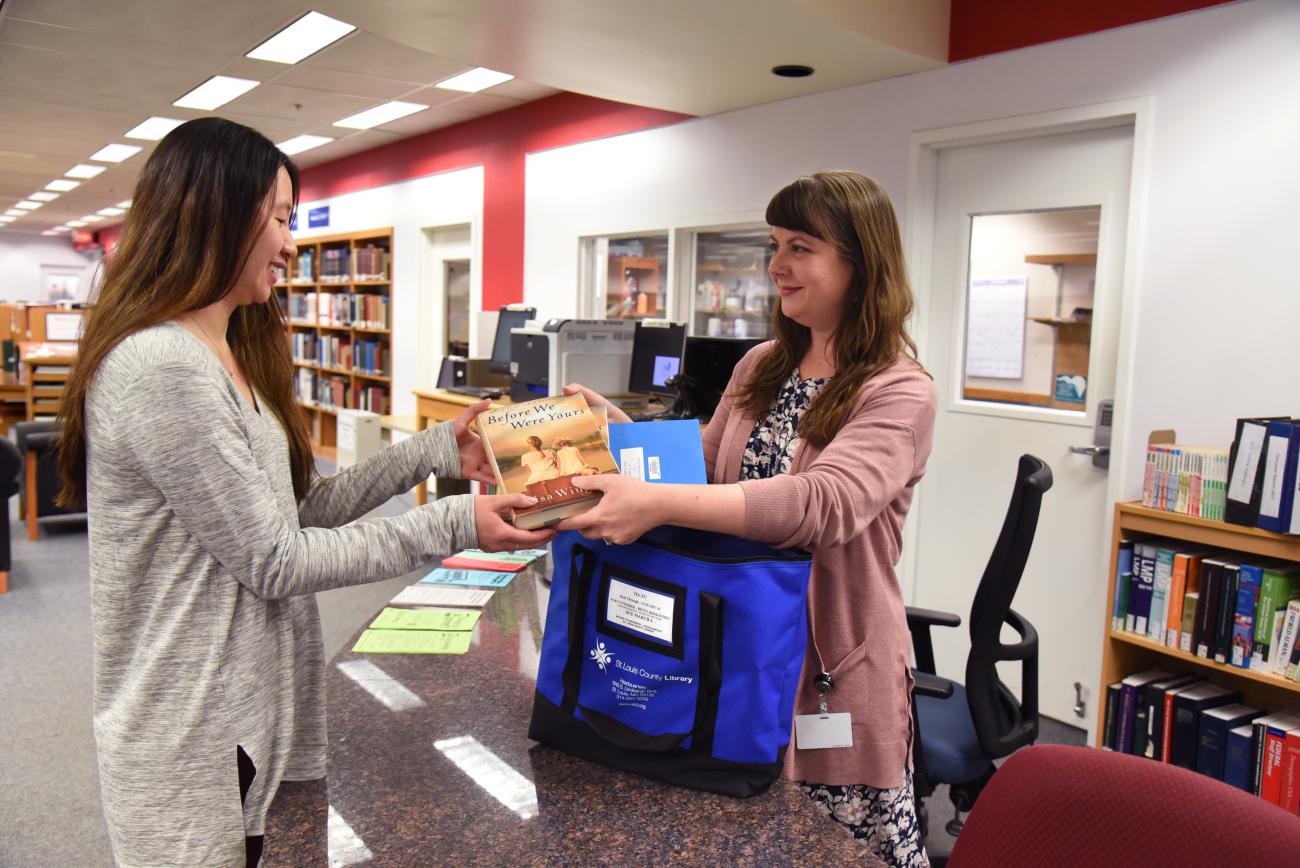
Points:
(153, 129)
(475, 80)
(304, 37)
(76, 224)
(84, 170)
(43, 197)
(28, 205)
(115, 153)
(380, 114)
(7, 219)
(216, 92)
(298, 144)
(111, 212)
(125, 203)
(63, 185)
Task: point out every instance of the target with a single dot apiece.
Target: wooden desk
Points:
(439, 405)
(13, 400)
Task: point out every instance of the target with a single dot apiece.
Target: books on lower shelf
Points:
(1220, 605)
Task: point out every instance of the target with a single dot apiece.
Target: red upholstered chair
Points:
(1076, 807)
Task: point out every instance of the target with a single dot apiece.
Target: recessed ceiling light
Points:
(49, 232)
(111, 212)
(125, 203)
(115, 153)
(28, 205)
(216, 92)
(474, 80)
(14, 212)
(92, 218)
(298, 144)
(76, 224)
(63, 185)
(7, 219)
(380, 114)
(43, 197)
(306, 36)
(153, 129)
(792, 70)
(84, 170)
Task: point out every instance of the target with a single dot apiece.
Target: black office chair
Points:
(960, 729)
(11, 465)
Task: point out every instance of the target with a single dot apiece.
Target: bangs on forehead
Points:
(794, 207)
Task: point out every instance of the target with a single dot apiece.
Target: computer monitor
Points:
(657, 348)
(510, 317)
(706, 367)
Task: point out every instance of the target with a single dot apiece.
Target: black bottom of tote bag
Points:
(550, 725)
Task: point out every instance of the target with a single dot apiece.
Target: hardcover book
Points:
(1212, 735)
(537, 448)
(1188, 706)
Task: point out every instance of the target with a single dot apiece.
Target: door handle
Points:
(1093, 450)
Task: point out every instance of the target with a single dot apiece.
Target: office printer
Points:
(594, 352)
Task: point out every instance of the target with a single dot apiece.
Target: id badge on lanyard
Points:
(823, 729)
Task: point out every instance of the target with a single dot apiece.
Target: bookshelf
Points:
(338, 302)
(1124, 653)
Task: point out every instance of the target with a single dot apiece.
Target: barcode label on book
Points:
(652, 467)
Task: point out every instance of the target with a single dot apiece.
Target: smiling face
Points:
(273, 247)
(812, 278)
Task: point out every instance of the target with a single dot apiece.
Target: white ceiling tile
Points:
(88, 44)
(368, 54)
(297, 105)
(53, 69)
(319, 78)
(525, 91)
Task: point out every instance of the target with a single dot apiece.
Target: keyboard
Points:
(475, 391)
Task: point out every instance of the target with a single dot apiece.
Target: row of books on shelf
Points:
(331, 391)
(1223, 606)
(1191, 480)
(328, 351)
(340, 265)
(1188, 721)
(345, 309)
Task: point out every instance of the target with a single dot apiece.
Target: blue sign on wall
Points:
(293, 222)
(318, 217)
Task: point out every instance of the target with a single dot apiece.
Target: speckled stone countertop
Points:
(430, 764)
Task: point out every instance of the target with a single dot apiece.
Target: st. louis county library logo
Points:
(601, 656)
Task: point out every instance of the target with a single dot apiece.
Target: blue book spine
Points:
(1237, 758)
(1243, 620)
(1127, 714)
(1123, 575)
(1210, 746)
(1145, 570)
(1276, 450)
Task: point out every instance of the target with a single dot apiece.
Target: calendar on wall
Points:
(995, 327)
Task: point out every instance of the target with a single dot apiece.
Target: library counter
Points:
(430, 764)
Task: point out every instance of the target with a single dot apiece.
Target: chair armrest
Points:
(1027, 647)
(929, 684)
(919, 622)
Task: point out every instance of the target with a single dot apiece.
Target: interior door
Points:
(1021, 338)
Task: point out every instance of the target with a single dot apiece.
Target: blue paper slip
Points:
(669, 450)
(477, 578)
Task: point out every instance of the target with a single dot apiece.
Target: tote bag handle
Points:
(710, 669)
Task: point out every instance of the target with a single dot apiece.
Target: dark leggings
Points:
(248, 771)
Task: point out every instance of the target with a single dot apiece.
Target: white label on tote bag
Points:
(645, 612)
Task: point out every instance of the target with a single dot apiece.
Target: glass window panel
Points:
(1029, 308)
(733, 292)
(635, 272)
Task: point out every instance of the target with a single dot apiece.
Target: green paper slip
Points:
(411, 642)
(455, 620)
(525, 556)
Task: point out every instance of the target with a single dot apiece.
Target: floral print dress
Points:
(884, 820)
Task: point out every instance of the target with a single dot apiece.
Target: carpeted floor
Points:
(50, 812)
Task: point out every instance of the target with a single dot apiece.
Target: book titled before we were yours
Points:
(538, 447)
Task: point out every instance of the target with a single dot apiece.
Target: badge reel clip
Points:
(824, 684)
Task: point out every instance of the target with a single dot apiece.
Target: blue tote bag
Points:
(676, 657)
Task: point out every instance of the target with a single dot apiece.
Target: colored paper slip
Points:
(411, 642)
(523, 556)
(431, 595)
(426, 619)
(478, 578)
(456, 562)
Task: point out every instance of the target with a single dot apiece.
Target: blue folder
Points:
(668, 450)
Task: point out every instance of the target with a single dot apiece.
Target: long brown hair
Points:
(852, 212)
(194, 219)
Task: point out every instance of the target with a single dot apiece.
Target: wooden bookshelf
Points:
(337, 299)
(1124, 653)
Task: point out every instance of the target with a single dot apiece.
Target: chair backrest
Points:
(1001, 722)
(1076, 807)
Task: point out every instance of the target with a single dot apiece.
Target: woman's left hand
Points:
(626, 510)
(473, 459)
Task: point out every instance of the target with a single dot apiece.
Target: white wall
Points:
(21, 258)
(1217, 305)
(410, 207)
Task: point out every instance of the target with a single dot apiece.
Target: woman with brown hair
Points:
(209, 532)
(818, 442)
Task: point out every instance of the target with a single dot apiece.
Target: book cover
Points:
(1287, 638)
(1250, 578)
(1212, 735)
(1184, 577)
(1125, 724)
(1112, 713)
(1189, 621)
(1273, 495)
(1167, 719)
(1188, 706)
(1270, 775)
(1227, 610)
(1259, 728)
(538, 447)
(664, 451)
(1151, 706)
(1236, 757)
(1246, 471)
(1279, 586)
(1207, 607)
(1289, 785)
(1164, 570)
(1144, 568)
(1123, 575)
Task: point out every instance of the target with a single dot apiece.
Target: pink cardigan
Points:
(845, 504)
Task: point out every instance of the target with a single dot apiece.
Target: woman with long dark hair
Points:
(209, 531)
(818, 442)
